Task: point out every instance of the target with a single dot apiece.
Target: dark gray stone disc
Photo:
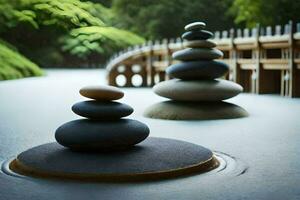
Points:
(174, 110)
(102, 110)
(93, 135)
(195, 70)
(197, 35)
(199, 44)
(197, 54)
(155, 158)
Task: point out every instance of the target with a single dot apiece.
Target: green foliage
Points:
(66, 13)
(13, 65)
(265, 12)
(63, 13)
(58, 32)
(157, 19)
(51, 28)
(10, 16)
(94, 39)
(106, 3)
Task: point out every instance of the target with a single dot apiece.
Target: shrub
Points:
(94, 39)
(13, 65)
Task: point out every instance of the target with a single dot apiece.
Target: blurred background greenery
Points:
(82, 33)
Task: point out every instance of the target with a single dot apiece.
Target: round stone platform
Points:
(155, 158)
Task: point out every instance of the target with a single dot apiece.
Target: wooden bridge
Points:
(262, 60)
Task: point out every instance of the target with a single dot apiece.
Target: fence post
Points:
(149, 65)
(294, 79)
(232, 57)
(258, 66)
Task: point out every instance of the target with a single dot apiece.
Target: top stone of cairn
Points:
(101, 93)
(195, 26)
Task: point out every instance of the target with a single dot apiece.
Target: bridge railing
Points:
(262, 60)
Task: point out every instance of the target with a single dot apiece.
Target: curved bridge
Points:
(262, 60)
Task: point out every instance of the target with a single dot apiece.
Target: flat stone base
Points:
(176, 110)
(155, 158)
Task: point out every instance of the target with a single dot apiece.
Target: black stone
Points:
(197, 35)
(87, 134)
(153, 158)
(190, 54)
(102, 110)
(195, 70)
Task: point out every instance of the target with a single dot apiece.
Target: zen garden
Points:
(132, 99)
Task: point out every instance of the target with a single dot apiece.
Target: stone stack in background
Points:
(196, 91)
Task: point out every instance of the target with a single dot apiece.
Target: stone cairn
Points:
(196, 81)
(103, 129)
(102, 147)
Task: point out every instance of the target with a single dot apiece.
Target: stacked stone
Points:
(103, 140)
(104, 128)
(196, 77)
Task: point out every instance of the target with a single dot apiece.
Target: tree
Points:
(106, 3)
(265, 12)
(13, 65)
(157, 19)
(96, 40)
(46, 25)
